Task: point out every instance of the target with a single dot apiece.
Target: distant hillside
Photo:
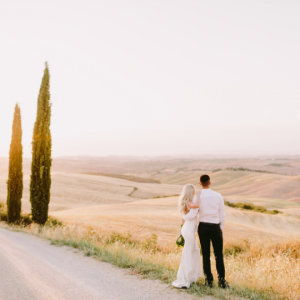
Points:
(126, 177)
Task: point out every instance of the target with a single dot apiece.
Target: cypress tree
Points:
(15, 173)
(40, 182)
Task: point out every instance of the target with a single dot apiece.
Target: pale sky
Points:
(154, 77)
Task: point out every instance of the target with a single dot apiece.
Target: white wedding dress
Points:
(190, 268)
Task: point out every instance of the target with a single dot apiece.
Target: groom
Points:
(211, 222)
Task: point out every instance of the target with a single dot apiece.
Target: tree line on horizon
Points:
(40, 179)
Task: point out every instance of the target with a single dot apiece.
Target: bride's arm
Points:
(191, 215)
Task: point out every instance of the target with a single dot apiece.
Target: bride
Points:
(190, 268)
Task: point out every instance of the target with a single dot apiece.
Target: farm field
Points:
(100, 208)
(116, 204)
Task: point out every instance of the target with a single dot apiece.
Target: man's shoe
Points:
(209, 281)
(223, 284)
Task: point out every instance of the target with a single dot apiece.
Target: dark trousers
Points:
(213, 233)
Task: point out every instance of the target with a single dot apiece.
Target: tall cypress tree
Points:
(15, 173)
(41, 155)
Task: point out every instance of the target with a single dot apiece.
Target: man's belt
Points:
(209, 223)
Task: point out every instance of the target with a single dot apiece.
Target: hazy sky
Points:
(154, 77)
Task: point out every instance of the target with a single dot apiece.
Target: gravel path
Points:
(31, 269)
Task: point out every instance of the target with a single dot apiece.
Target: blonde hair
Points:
(186, 196)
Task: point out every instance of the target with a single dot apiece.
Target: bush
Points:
(273, 212)
(26, 219)
(249, 206)
(53, 222)
(3, 212)
(3, 217)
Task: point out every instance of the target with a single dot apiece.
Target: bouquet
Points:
(180, 240)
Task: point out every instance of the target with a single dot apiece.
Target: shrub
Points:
(53, 222)
(249, 206)
(26, 219)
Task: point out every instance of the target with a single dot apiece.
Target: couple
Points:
(209, 205)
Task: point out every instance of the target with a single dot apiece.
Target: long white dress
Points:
(190, 268)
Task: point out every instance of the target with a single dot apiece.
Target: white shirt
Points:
(211, 208)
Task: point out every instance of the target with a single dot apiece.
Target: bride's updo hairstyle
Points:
(186, 195)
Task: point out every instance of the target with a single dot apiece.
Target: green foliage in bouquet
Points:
(180, 241)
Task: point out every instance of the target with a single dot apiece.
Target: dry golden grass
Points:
(273, 266)
(256, 270)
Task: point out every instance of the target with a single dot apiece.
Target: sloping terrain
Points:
(271, 190)
(81, 190)
(117, 204)
(161, 216)
(167, 165)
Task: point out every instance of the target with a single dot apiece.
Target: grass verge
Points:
(252, 269)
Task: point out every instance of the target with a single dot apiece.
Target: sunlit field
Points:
(261, 250)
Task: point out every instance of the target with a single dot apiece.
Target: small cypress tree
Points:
(40, 182)
(15, 173)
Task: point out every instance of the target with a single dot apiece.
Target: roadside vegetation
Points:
(259, 270)
(249, 206)
(25, 219)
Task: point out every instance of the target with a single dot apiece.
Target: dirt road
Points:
(31, 269)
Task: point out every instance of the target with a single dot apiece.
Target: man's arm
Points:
(222, 213)
(192, 213)
(196, 198)
(192, 205)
